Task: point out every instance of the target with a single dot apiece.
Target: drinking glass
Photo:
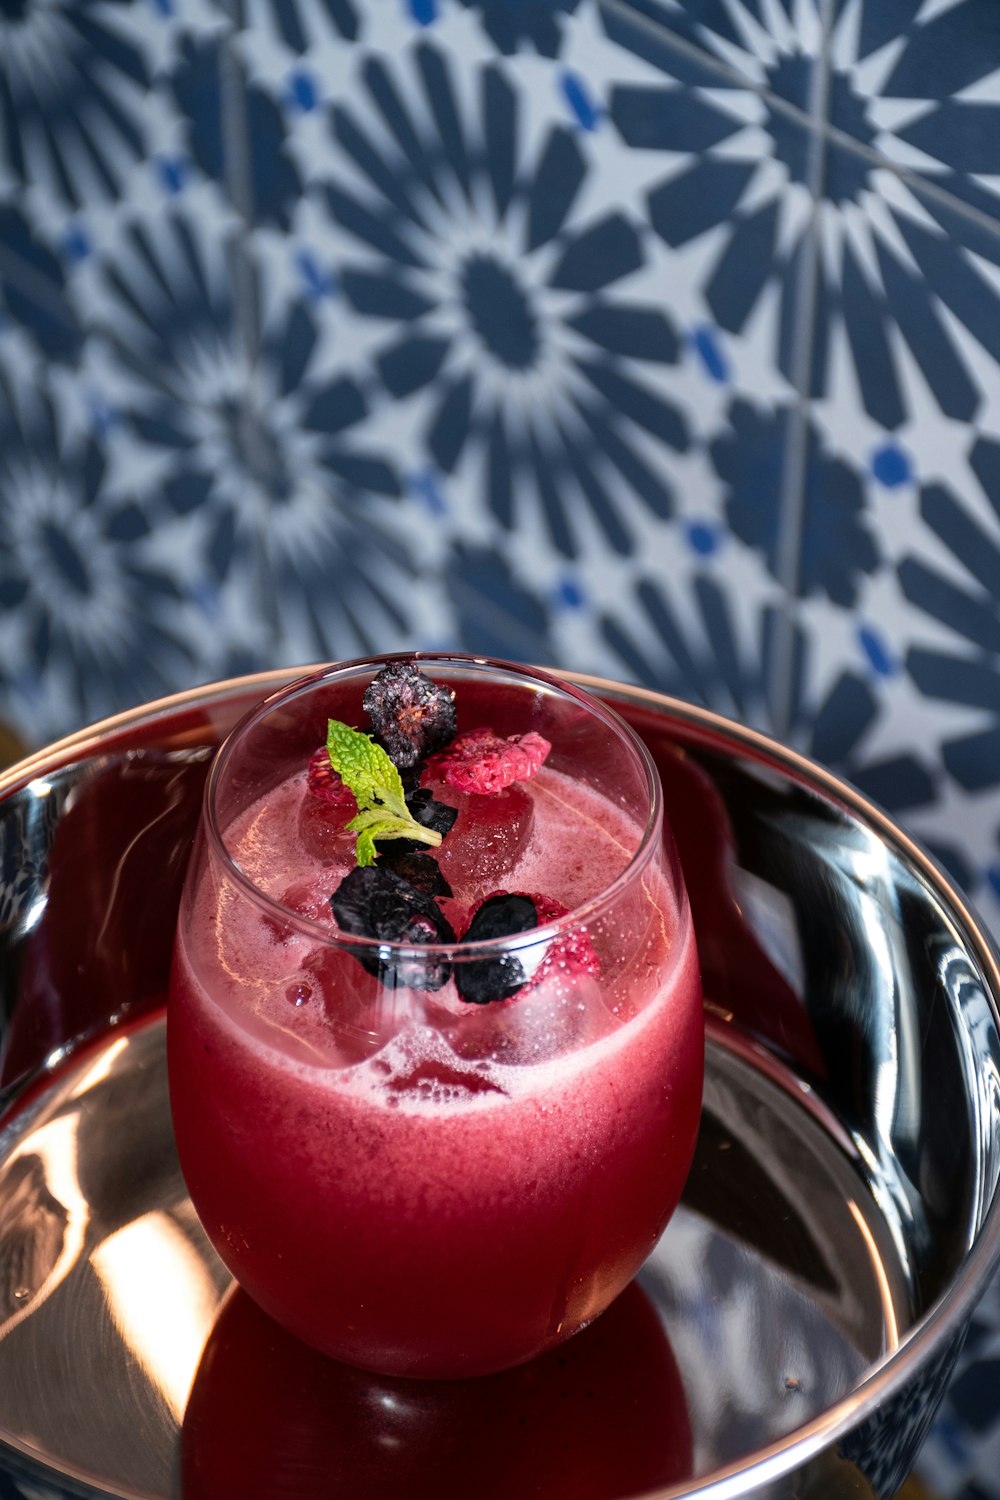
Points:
(409, 1176)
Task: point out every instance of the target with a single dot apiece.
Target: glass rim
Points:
(459, 950)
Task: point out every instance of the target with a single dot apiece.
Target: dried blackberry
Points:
(484, 979)
(421, 870)
(412, 716)
(372, 901)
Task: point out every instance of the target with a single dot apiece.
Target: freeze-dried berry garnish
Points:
(481, 980)
(375, 781)
(411, 715)
(372, 901)
(481, 761)
(425, 809)
(503, 914)
(326, 783)
(422, 871)
(569, 954)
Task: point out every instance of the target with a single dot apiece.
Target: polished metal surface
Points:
(837, 1229)
(776, 1283)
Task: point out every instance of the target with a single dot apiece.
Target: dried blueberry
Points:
(484, 979)
(422, 871)
(372, 901)
(412, 716)
(429, 813)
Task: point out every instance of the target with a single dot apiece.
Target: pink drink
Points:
(412, 1183)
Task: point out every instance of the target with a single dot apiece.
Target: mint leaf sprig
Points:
(382, 811)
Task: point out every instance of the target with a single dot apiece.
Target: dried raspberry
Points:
(325, 783)
(411, 715)
(480, 761)
(572, 953)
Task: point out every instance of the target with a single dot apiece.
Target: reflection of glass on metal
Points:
(96, 1234)
(47, 1197)
(100, 1069)
(162, 1300)
(980, 1055)
(886, 1289)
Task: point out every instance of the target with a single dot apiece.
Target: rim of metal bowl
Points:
(931, 1332)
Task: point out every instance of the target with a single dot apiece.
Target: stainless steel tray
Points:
(791, 1335)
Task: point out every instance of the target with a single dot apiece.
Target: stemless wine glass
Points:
(436, 1158)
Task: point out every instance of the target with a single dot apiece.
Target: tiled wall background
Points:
(654, 339)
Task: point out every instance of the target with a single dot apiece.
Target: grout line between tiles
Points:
(235, 127)
(793, 497)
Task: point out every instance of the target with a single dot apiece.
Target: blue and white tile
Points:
(769, 45)
(73, 80)
(732, 181)
(924, 84)
(902, 282)
(932, 489)
(78, 576)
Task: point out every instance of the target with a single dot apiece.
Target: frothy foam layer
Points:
(418, 1070)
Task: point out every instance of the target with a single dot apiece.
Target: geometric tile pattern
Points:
(654, 340)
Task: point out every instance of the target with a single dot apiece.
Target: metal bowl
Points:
(812, 1292)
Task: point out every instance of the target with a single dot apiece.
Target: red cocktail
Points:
(435, 1130)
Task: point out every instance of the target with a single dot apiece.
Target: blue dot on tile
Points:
(102, 417)
(426, 488)
(993, 876)
(877, 651)
(162, 7)
(77, 243)
(28, 683)
(424, 12)
(318, 282)
(205, 595)
(705, 342)
(703, 538)
(302, 91)
(172, 172)
(581, 102)
(891, 466)
(568, 594)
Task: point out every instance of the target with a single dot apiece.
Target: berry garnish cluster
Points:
(392, 893)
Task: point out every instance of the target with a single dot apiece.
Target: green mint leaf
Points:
(365, 852)
(373, 825)
(363, 766)
(373, 778)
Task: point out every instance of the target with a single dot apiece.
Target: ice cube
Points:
(489, 837)
(323, 831)
(362, 1014)
(554, 1015)
(310, 897)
